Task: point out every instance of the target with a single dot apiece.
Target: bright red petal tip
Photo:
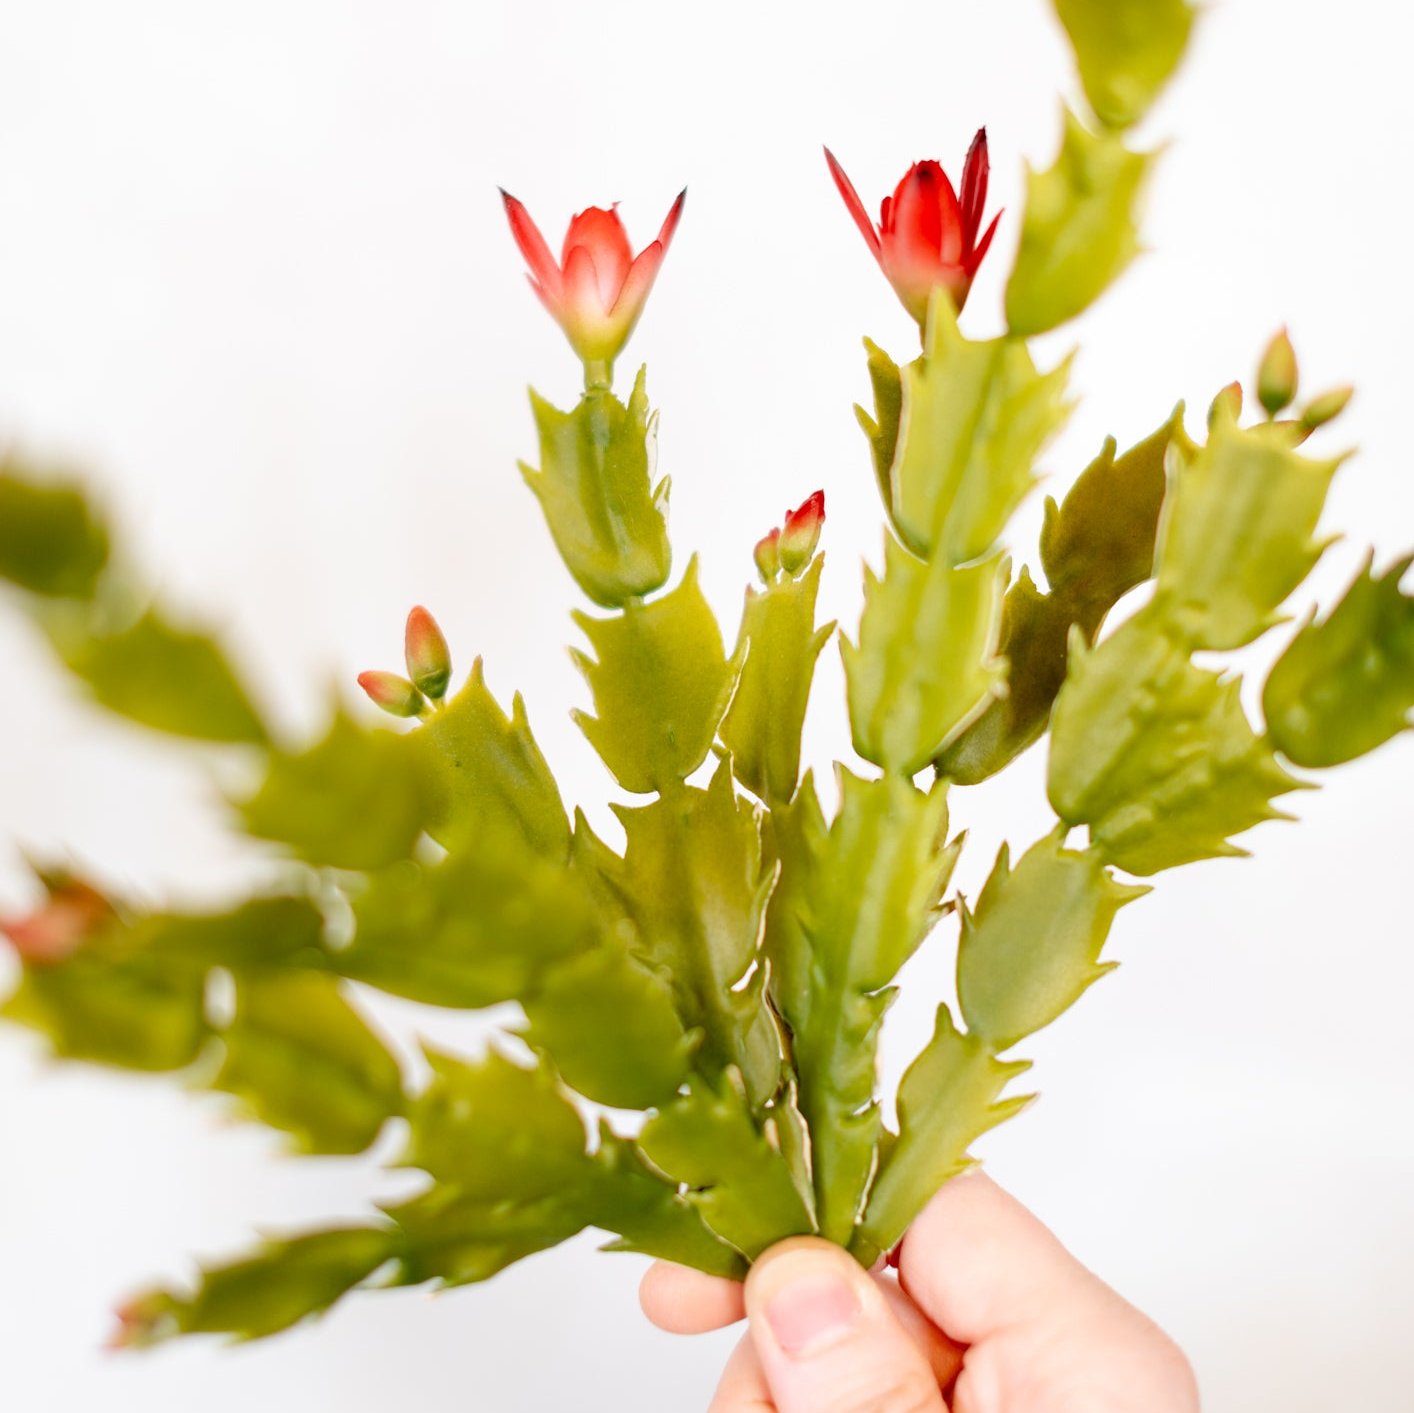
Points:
(845, 187)
(532, 244)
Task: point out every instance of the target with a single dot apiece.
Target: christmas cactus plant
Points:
(692, 1066)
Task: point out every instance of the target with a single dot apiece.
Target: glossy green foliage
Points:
(876, 888)
(303, 1060)
(486, 775)
(660, 679)
(975, 415)
(350, 801)
(1095, 546)
(1127, 50)
(1239, 533)
(608, 520)
(948, 1098)
(926, 660)
(51, 540)
(696, 886)
(1080, 229)
(1157, 755)
(737, 1180)
(778, 647)
(1345, 685)
(1032, 946)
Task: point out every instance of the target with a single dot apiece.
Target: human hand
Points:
(989, 1314)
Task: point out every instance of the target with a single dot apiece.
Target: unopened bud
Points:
(1277, 375)
(396, 695)
(1325, 408)
(801, 533)
(767, 556)
(428, 658)
(55, 930)
(1229, 401)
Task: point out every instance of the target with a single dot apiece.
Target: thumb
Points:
(826, 1338)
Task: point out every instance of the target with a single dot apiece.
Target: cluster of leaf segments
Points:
(725, 975)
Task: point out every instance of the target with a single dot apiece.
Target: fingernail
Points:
(810, 1307)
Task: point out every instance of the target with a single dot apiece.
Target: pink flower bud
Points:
(1277, 375)
(396, 695)
(767, 556)
(801, 534)
(597, 290)
(429, 661)
(71, 914)
(926, 235)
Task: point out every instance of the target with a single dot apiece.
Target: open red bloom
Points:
(926, 235)
(598, 289)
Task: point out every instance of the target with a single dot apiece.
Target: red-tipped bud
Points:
(71, 914)
(142, 1320)
(926, 235)
(767, 555)
(1326, 407)
(1228, 401)
(396, 695)
(429, 660)
(1277, 375)
(801, 533)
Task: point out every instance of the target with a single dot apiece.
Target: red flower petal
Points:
(974, 258)
(532, 244)
(602, 236)
(855, 205)
(670, 222)
(582, 298)
(974, 188)
(634, 292)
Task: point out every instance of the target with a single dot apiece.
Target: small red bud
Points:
(801, 534)
(767, 556)
(1277, 374)
(67, 918)
(429, 661)
(396, 695)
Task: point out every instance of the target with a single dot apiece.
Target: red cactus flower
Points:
(801, 533)
(927, 236)
(598, 289)
(54, 931)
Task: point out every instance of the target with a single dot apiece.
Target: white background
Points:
(254, 278)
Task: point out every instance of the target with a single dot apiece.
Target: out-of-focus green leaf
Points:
(1127, 51)
(262, 932)
(167, 678)
(486, 773)
(975, 416)
(947, 1099)
(610, 1025)
(1156, 755)
(660, 684)
(763, 724)
(607, 519)
(693, 878)
(51, 540)
(301, 1059)
(475, 929)
(1080, 229)
(355, 800)
(1345, 685)
(1032, 947)
(742, 1186)
(882, 427)
(878, 884)
(1239, 534)
(280, 1284)
(926, 662)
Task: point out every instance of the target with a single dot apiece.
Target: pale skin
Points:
(989, 1313)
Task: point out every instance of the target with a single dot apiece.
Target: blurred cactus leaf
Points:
(882, 427)
(1080, 229)
(878, 885)
(301, 1059)
(975, 416)
(273, 931)
(472, 930)
(737, 1180)
(695, 884)
(609, 1023)
(355, 800)
(660, 683)
(607, 519)
(946, 1100)
(280, 1284)
(1032, 946)
(926, 661)
(1345, 685)
(1156, 755)
(763, 725)
(164, 677)
(51, 540)
(1239, 534)
(485, 772)
(1127, 50)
